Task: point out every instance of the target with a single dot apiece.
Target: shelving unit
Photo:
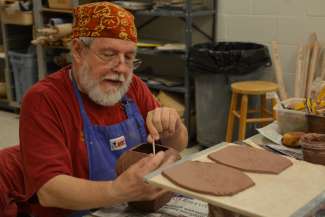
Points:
(41, 13)
(186, 16)
(16, 35)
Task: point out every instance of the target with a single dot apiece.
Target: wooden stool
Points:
(245, 88)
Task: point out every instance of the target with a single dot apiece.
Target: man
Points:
(75, 123)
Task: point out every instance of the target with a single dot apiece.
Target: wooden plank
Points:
(322, 70)
(278, 70)
(298, 189)
(308, 53)
(299, 70)
(313, 66)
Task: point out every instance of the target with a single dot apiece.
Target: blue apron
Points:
(105, 144)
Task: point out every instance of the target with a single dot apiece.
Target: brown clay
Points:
(313, 147)
(132, 156)
(208, 178)
(250, 159)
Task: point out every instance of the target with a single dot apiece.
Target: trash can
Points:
(24, 68)
(215, 66)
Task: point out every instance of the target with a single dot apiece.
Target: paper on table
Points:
(177, 206)
(271, 132)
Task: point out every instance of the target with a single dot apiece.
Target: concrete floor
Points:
(9, 132)
(9, 129)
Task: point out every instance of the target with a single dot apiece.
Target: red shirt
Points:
(51, 127)
(11, 181)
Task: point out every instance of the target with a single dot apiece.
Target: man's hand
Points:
(130, 186)
(162, 122)
(165, 124)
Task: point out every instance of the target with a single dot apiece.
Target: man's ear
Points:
(76, 50)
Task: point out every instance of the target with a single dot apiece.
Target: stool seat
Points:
(244, 90)
(254, 87)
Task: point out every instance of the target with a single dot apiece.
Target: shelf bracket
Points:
(147, 22)
(198, 29)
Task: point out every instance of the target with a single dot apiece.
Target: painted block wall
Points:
(289, 22)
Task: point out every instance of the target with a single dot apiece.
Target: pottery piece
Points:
(132, 156)
(313, 147)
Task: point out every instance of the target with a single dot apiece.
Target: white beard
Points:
(92, 88)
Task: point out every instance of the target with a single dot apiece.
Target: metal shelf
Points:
(174, 13)
(153, 51)
(65, 11)
(177, 89)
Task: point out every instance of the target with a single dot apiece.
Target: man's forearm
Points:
(73, 193)
(179, 140)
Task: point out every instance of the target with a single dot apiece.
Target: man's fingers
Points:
(141, 163)
(151, 127)
(165, 118)
(172, 122)
(170, 159)
(156, 119)
(157, 194)
(153, 163)
(150, 139)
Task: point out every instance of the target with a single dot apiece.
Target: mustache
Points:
(114, 77)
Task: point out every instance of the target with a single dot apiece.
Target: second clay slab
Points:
(250, 159)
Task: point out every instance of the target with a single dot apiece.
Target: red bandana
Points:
(103, 19)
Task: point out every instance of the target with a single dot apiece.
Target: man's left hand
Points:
(162, 123)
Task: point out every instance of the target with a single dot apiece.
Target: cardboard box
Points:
(60, 4)
(18, 17)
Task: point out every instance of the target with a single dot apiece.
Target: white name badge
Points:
(117, 143)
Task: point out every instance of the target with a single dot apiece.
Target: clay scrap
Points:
(208, 178)
(250, 159)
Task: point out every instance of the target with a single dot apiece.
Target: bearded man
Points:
(75, 123)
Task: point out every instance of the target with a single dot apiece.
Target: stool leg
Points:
(263, 108)
(231, 117)
(273, 111)
(243, 117)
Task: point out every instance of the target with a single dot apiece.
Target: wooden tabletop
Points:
(297, 191)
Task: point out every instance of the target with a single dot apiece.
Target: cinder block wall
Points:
(287, 21)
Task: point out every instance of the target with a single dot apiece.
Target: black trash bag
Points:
(236, 58)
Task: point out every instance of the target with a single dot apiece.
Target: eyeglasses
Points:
(112, 58)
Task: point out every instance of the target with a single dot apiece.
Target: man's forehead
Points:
(114, 44)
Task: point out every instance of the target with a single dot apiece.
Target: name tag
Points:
(117, 143)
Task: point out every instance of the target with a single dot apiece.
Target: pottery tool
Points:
(153, 146)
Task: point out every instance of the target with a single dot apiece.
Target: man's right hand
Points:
(130, 185)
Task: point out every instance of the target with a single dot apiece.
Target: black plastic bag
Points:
(228, 57)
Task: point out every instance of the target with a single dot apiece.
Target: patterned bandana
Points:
(103, 19)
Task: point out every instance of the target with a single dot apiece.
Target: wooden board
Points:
(299, 82)
(278, 70)
(297, 191)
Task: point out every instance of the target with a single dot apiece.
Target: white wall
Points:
(287, 21)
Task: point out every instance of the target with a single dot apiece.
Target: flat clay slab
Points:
(251, 159)
(208, 178)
